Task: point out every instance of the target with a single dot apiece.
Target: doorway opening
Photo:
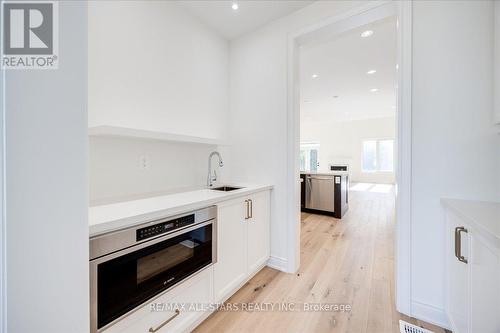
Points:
(356, 109)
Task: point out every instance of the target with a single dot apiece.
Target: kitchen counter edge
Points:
(483, 216)
(112, 225)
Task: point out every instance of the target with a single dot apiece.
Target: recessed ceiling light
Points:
(367, 33)
(336, 96)
(235, 6)
(374, 90)
(315, 76)
(372, 71)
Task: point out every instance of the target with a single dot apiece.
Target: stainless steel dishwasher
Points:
(320, 192)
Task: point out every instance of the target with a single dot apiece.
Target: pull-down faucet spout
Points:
(211, 179)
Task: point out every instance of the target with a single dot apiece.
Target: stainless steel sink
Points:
(226, 188)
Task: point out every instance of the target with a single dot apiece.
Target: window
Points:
(309, 156)
(378, 156)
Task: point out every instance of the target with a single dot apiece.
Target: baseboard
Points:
(191, 327)
(430, 314)
(278, 263)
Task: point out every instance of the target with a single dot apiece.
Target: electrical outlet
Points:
(144, 162)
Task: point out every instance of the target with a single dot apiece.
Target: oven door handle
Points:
(153, 330)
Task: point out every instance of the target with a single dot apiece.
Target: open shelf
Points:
(115, 131)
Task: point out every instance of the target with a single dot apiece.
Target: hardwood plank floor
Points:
(345, 262)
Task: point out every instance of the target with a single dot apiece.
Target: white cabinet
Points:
(231, 267)
(457, 274)
(243, 229)
(472, 275)
(242, 241)
(258, 232)
(485, 289)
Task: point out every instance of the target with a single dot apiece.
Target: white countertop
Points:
(115, 216)
(483, 216)
(325, 173)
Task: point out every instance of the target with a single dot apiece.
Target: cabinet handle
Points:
(153, 330)
(248, 209)
(458, 244)
(251, 208)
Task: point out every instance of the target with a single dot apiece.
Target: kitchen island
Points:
(325, 192)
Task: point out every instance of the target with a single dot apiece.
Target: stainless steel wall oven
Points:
(131, 266)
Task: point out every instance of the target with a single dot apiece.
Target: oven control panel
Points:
(163, 227)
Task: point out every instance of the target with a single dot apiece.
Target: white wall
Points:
(152, 66)
(497, 62)
(46, 188)
(342, 142)
(456, 152)
(258, 103)
(116, 172)
(3, 225)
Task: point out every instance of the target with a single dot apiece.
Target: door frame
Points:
(326, 29)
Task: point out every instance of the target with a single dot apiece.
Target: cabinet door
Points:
(258, 231)
(485, 293)
(231, 267)
(457, 293)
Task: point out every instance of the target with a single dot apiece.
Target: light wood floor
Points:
(348, 261)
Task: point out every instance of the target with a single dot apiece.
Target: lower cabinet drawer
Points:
(178, 310)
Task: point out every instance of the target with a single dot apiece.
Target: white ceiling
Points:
(342, 65)
(250, 15)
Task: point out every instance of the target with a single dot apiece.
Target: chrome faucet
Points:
(210, 178)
